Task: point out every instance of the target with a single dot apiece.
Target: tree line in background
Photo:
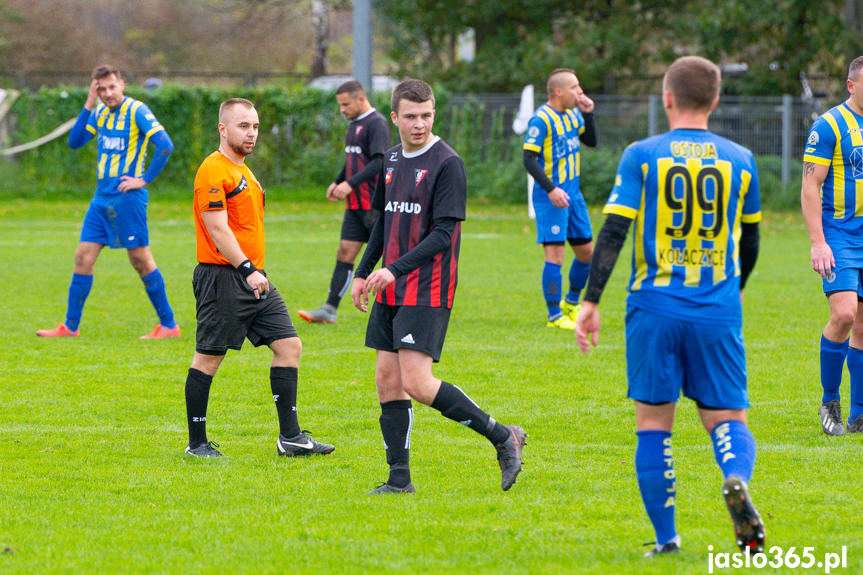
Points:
(609, 42)
(246, 36)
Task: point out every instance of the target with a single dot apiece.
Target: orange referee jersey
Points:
(220, 184)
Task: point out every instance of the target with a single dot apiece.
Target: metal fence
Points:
(774, 126)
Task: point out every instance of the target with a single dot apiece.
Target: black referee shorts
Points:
(228, 312)
(421, 328)
(357, 225)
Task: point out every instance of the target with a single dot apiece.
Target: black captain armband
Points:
(246, 268)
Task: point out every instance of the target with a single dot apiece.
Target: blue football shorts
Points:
(665, 355)
(555, 224)
(844, 278)
(117, 221)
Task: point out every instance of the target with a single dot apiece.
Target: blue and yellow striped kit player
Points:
(123, 135)
(836, 141)
(554, 136)
(688, 192)
(114, 218)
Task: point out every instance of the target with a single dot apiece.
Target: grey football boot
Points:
(830, 414)
(855, 426)
(324, 314)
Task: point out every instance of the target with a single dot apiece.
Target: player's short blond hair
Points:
(694, 82)
(230, 103)
(554, 79)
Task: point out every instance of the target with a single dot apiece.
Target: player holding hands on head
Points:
(552, 155)
(117, 215)
(830, 198)
(366, 140)
(695, 200)
(234, 299)
(421, 200)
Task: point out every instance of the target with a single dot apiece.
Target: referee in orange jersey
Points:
(234, 299)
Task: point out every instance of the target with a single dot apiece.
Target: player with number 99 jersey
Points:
(688, 192)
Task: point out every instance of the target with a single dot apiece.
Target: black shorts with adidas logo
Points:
(422, 328)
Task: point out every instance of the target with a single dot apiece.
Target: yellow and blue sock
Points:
(734, 449)
(832, 359)
(855, 368)
(654, 468)
(578, 273)
(552, 285)
(154, 283)
(79, 289)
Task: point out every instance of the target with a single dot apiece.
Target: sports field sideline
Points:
(92, 430)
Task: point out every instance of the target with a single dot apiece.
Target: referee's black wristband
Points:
(246, 268)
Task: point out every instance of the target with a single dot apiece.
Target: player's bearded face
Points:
(349, 105)
(240, 130)
(414, 121)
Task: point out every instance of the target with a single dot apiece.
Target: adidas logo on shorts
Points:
(409, 338)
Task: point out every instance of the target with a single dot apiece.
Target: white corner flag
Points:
(519, 126)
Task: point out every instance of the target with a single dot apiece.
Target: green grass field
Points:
(93, 480)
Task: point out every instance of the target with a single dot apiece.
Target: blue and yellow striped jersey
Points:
(836, 141)
(554, 136)
(688, 192)
(122, 137)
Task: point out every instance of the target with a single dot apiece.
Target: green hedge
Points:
(301, 144)
(301, 140)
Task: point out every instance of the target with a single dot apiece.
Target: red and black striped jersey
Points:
(367, 136)
(419, 188)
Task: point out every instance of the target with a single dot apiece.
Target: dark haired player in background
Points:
(366, 140)
(422, 202)
(117, 216)
(694, 198)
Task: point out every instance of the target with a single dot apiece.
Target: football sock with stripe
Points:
(552, 285)
(578, 273)
(396, 421)
(79, 289)
(855, 369)
(832, 359)
(734, 449)
(197, 395)
(454, 404)
(340, 282)
(283, 383)
(154, 284)
(654, 468)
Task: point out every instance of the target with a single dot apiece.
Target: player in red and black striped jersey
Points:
(423, 188)
(422, 201)
(366, 140)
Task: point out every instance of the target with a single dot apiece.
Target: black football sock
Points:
(197, 394)
(453, 403)
(283, 383)
(396, 421)
(340, 282)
